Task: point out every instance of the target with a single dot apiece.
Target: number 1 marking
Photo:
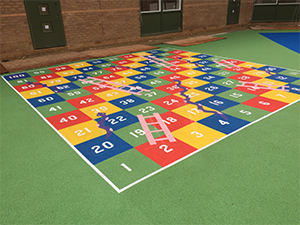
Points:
(281, 95)
(126, 167)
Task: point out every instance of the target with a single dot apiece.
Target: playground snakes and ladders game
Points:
(133, 115)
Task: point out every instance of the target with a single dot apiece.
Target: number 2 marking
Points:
(165, 148)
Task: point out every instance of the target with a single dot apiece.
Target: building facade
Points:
(30, 27)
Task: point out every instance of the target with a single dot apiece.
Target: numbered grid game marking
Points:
(152, 124)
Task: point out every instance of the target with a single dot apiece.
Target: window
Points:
(265, 2)
(288, 1)
(150, 5)
(171, 4)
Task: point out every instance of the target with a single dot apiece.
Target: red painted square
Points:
(173, 77)
(165, 152)
(244, 77)
(177, 51)
(172, 120)
(177, 57)
(85, 101)
(28, 87)
(177, 62)
(116, 69)
(170, 88)
(110, 77)
(68, 119)
(170, 102)
(122, 62)
(238, 69)
(127, 56)
(96, 88)
(46, 77)
(252, 90)
(175, 69)
(265, 103)
(60, 68)
(232, 61)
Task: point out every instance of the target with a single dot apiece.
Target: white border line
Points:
(78, 152)
(163, 168)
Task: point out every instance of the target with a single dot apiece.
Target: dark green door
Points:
(233, 11)
(45, 23)
(160, 16)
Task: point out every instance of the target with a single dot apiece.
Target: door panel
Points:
(160, 16)
(45, 23)
(233, 11)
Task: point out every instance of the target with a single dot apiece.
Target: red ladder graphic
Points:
(148, 132)
(255, 86)
(105, 83)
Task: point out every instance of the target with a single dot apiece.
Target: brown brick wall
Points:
(94, 23)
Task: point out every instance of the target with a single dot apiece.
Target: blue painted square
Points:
(294, 88)
(144, 86)
(64, 87)
(213, 88)
(128, 102)
(202, 56)
(283, 78)
(88, 69)
(206, 69)
(148, 62)
(16, 76)
(45, 100)
(119, 120)
(97, 61)
(225, 126)
(204, 62)
(209, 77)
(141, 77)
(155, 52)
(76, 77)
(100, 148)
(217, 103)
(145, 69)
(271, 69)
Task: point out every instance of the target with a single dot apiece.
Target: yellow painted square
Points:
(68, 73)
(265, 82)
(80, 65)
(36, 93)
(125, 81)
(189, 65)
(197, 135)
(105, 107)
(191, 73)
(112, 94)
(137, 59)
(142, 54)
(54, 82)
(127, 73)
(82, 132)
(195, 95)
(191, 59)
(192, 112)
(189, 54)
(249, 65)
(257, 73)
(134, 65)
(282, 96)
(191, 82)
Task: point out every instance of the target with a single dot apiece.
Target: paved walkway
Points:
(68, 57)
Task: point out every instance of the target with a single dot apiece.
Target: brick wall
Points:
(95, 23)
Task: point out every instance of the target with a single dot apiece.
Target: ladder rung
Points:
(161, 139)
(153, 123)
(153, 131)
